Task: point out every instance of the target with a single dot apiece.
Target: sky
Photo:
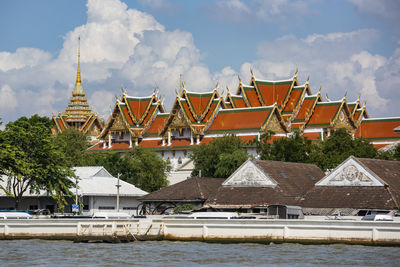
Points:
(344, 46)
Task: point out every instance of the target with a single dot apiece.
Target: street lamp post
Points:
(118, 186)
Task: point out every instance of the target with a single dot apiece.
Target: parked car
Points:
(377, 217)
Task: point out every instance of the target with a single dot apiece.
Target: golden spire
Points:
(78, 83)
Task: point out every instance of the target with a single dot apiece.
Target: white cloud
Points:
(338, 61)
(23, 57)
(269, 11)
(122, 47)
(8, 99)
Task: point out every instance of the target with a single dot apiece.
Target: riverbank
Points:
(239, 230)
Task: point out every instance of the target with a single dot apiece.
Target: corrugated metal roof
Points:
(93, 181)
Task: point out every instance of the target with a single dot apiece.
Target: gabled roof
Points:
(250, 95)
(133, 114)
(306, 110)
(360, 114)
(196, 109)
(383, 191)
(291, 180)
(327, 114)
(60, 122)
(270, 92)
(234, 101)
(295, 99)
(192, 189)
(237, 120)
(92, 120)
(378, 129)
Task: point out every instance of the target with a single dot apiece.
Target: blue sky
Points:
(351, 45)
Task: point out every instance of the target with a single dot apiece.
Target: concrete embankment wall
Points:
(302, 231)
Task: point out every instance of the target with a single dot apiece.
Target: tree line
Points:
(222, 156)
(32, 160)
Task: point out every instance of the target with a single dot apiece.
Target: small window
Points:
(86, 207)
(179, 160)
(283, 175)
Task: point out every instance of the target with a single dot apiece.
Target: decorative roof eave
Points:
(174, 112)
(206, 109)
(294, 83)
(111, 119)
(88, 123)
(299, 101)
(143, 115)
(311, 111)
(349, 115)
(275, 111)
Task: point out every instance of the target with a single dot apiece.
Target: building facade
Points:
(262, 106)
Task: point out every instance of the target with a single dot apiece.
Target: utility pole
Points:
(118, 186)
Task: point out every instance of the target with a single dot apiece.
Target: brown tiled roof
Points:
(191, 189)
(360, 197)
(294, 179)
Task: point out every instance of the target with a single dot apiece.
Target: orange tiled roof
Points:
(312, 136)
(157, 125)
(324, 113)
(378, 129)
(306, 110)
(237, 120)
(294, 101)
(236, 101)
(250, 95)
(271, 92)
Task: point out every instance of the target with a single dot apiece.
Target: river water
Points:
(166, 253)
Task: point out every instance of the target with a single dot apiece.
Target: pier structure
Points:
(349, 231)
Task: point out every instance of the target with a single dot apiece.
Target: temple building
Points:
(78, 114)
(262, 106)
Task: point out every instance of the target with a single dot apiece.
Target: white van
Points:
(14, 215)
(214, 215)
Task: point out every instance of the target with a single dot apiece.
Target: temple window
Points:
(179, 160)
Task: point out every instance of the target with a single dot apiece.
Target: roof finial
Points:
(320, 88)
(217, 85)
(227, 90)
(240, 80)
(345, 94)
(359, 96)
(327, 98)
(297, 71)
(78, 83)
(251, 71)
(365, 103)
(308, 79)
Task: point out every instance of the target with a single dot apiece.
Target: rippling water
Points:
(165, 253)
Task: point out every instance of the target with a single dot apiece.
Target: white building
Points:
(97, 191)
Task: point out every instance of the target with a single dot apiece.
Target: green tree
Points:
(141, 167)
(219, 158)
(292, 149)
(339, 146)
(32, 161)
(73, 144)
(396, 154)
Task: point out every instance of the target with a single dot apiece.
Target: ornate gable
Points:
(351, 173)
(249, 175)
(234, 101)
(193, 110)
(270, 92)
